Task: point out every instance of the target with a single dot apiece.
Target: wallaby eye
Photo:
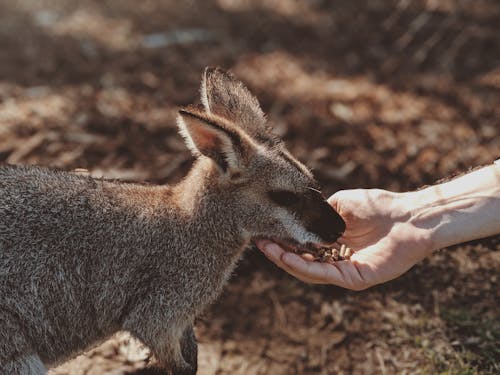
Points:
(284, 197)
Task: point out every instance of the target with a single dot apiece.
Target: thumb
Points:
(336, 199)
(342, 196)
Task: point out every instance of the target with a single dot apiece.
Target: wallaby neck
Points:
(198, 209)
(192, 192)
(209, 209)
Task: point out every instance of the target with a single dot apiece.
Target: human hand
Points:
(379, 228)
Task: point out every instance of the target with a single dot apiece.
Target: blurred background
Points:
(390, 94)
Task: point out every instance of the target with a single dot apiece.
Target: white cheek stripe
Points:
(295, 229)
(28, 365)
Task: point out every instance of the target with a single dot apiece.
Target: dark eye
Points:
(284, 198)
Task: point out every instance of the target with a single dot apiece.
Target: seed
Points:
(327, 254)
(348, 253)
(342, 250)
(335, 254)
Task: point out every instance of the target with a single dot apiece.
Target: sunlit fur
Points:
(81, 258)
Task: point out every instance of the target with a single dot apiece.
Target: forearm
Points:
(460, 210)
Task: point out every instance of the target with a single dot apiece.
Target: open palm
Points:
(380, 231)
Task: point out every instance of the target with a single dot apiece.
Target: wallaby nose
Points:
(329, 225)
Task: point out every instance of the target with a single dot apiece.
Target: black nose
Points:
(328, 225)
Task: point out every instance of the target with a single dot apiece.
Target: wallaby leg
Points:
(28, 365)
(169, 353)
(189, 347)
(165, 344)
(189, 352)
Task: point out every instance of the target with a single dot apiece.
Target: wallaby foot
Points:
(28, 365)
(183, 369)
(159, 371)
(148, 371)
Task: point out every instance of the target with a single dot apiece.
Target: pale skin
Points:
(391, 232)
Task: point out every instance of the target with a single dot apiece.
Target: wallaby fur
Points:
(81, 258)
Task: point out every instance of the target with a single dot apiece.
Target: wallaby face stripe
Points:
(300, 167)
(295, 228)
(267, 140)
(313, 211)
(29, 365)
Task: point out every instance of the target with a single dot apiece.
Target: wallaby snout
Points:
(320, 218)
(329, 225)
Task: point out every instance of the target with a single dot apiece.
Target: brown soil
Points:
(389, 94)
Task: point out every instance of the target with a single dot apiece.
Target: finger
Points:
(346, 274)
(321, 273)
(334, 201)
(274, 253)
(343, 274)
(271, 250)
(307, 257)
(297, 274)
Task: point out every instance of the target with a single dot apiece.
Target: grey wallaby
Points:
(82, 258)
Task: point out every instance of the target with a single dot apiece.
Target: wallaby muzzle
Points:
(321, 219)
(330, 225)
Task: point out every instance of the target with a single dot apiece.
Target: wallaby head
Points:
(271, 194)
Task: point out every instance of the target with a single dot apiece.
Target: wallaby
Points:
(82, 258)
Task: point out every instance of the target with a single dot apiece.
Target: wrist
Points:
(430, 210)
(460, 210)
(418, 211)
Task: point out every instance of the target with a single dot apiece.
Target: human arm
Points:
(463, 209)
(390, 232)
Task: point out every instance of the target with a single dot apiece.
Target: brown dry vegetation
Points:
(390, 94)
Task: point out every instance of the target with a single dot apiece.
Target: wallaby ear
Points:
(225, 96)
(205, 136)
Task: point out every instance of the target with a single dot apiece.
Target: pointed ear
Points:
(206, 136)
(225, 96)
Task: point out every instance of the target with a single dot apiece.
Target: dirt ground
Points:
(389, 94)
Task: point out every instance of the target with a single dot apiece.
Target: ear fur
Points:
(225, 96)
(204, 135)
